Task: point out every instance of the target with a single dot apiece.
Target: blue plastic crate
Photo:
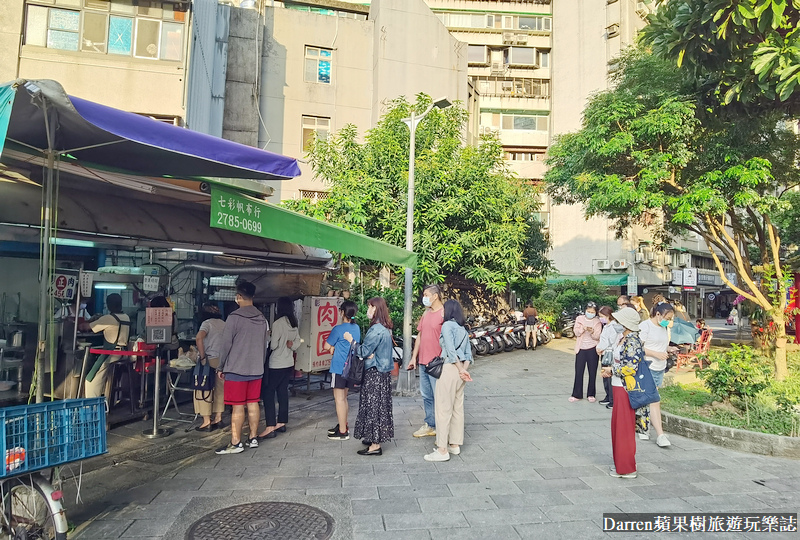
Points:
(51, 434)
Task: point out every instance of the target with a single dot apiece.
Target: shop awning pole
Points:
(44, 278)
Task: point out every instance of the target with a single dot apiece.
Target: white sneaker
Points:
(662, 441)
(644, 436)
(252, 443)
(613, 472)
(425, 431)
(455, 450)
(437, 456)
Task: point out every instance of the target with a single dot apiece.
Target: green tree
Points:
(471, 215)
(739, 51)
(649, 154)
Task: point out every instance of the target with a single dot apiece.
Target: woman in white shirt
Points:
(284, 341)
(655, 334)
(208, 337)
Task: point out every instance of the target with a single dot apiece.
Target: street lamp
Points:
(407, 379)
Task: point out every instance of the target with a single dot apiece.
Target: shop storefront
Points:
(142, 209)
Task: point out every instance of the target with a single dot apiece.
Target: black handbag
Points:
(353, 365)
(203, 378)
(435, 366)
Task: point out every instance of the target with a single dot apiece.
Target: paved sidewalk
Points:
(533, 466)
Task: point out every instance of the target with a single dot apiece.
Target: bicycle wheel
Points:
(28, 515)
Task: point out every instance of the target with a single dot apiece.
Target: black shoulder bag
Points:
(435, 366)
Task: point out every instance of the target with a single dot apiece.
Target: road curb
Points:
(735, 439)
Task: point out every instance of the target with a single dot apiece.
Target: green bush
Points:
(694, 401)
(573, 295)
(394, 300)
(738, 372)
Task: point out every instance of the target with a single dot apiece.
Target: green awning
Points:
(612, 280)
(240, 213)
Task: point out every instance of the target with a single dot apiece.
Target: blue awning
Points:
(111, 139)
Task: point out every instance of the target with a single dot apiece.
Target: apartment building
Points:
(509, 49)
(129, 54)
(301, 69)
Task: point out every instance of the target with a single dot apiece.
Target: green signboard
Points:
(244, 214)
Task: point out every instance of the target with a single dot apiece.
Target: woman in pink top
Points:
(587, 331)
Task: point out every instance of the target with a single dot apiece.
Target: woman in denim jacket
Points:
(449, 396)
(374, 421)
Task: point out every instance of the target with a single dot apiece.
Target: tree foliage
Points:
(739, 51)
(650, 153)
(471, 215)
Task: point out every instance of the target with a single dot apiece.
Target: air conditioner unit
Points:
(649, 254)
(498, 67)
(508, 38)
(620, 264)
(642, 9)
(639, 257)
(613, 30)
(488, 130)
(521, 39)
(685, 259)
(604, 265)
(508, 86)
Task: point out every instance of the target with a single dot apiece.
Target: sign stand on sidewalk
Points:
(158, 326)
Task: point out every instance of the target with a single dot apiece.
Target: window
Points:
(477, 54)
(318, 65)
(151, 30)
(315, 127)
(520, 87)
(543, 58)
(516, 122)
(62, 29)
(541, 24)
(520, 56)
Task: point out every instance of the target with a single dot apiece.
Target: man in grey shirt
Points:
(243, 349)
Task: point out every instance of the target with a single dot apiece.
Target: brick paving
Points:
(533, 466)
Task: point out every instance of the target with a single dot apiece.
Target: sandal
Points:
(591, 399)
(573, 399)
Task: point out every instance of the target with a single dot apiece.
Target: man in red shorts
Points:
(241, 365)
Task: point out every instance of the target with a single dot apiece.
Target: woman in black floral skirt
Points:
(374, 421)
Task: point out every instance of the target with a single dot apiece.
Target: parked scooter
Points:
(567, 325)
(543, 333)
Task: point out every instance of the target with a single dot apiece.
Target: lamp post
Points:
(407, 379)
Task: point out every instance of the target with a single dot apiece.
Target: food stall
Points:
(109, 184)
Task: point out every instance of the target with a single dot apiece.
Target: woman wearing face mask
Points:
(608, 338)
(655, 336)
(374, 422)
(587, 331)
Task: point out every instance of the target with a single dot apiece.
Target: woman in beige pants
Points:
(208, 403)
(449, 393)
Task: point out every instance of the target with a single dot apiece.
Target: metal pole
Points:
(44, 283)
(406, 378)
(157, 432)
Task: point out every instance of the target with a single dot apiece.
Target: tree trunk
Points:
(781, 369)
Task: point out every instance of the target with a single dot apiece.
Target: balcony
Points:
(515, 101)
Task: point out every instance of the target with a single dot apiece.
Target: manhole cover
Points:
(254, 521)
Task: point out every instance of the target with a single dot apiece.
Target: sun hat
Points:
(628, 317)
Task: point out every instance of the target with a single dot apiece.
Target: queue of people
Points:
(236, 348)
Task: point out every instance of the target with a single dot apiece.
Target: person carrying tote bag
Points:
(628, 357)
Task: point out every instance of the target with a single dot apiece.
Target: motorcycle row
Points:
(504, 336)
